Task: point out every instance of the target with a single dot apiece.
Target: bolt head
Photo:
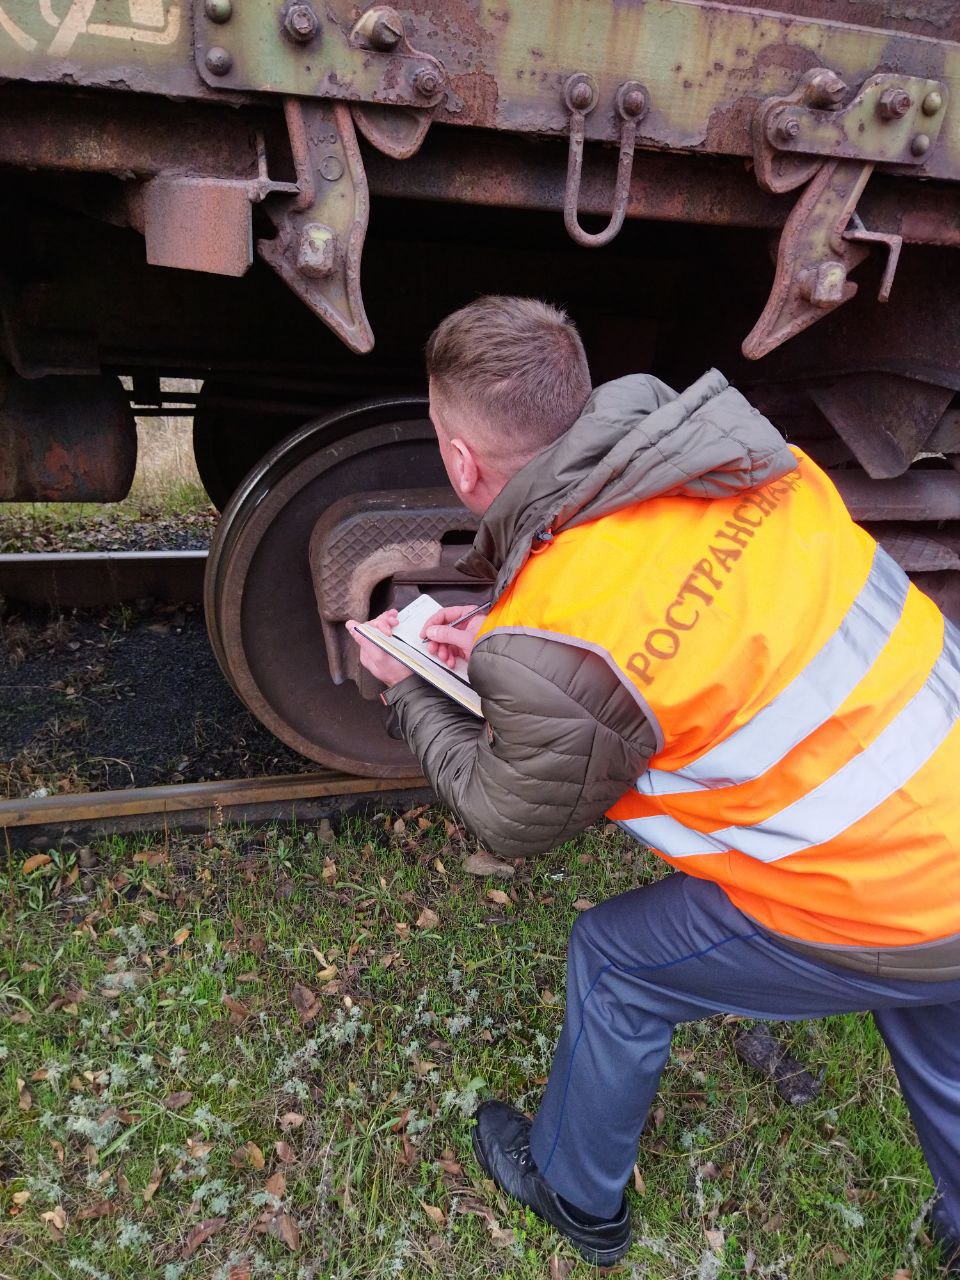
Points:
(788, 128)
(932, 103)
(218, 10)
(893, 104)
(824, 285)
(219, 62)
(317, 250)
(581, 95)
(920, 145)
(387, 31)
(634, 103)
(826, 90)
(427, 82)
(300, 23)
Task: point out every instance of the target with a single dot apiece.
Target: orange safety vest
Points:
(805, 695)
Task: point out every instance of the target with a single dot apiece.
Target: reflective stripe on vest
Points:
(891, 760)
(807, 702)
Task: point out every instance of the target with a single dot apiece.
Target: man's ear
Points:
(465, 470)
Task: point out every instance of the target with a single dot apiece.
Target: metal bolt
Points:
(581, 95)
(218, 61)
(634, 103)
(218, 10)
(893, 104)
(788, 127)
(300, 23)
(920, 145)
(932, 103)
(824, 285)
(427, 82)
(387, 30)
(318, 250)
(826, 90)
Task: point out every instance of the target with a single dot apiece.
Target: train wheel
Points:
(235, 425)
(260, 603)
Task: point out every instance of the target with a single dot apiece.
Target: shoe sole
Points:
(610, 1258)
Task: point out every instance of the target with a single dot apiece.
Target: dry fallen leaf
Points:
(56, 1220)
(254, 1155)
(285, 1153)
(201, 1233)
(499, 897)
(21, 1197)
(329, 871)
(399, 826)
(285, 1228)
(435, 1214)
(149, 1191)
(485, 864)
(98, 1210)
(179, 938)
(239, 1012)
(715, 1238)
(560, 1268)
(174, 1101)
(291, 1120)
(37, 860)
(276, 1185)
(427, 919)
(24, 1098)
(638, 1183)
(305, 1002)
(449, 1164)
(582, 904)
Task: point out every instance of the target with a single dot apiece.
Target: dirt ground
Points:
(122, 698)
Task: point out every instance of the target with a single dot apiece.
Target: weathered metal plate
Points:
(706, 66)
(198, 224)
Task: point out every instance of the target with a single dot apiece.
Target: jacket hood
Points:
(635, 439)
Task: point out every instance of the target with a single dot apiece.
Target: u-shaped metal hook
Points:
(580, 95)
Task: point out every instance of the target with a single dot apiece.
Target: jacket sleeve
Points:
(564, 737)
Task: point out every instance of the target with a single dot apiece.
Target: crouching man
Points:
(690, 635)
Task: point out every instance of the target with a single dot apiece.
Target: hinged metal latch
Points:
(810, 137)
(581, 95)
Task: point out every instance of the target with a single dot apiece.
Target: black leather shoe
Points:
(501, 1142)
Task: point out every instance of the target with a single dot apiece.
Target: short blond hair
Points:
(517, 363)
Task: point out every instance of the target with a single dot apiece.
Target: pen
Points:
(473, 612)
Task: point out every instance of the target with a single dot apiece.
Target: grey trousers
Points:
(676, 951)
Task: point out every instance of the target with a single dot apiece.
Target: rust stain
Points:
(479, 94)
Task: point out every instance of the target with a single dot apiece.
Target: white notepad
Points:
(407, 647)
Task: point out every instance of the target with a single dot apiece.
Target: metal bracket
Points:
(320, 232)
(892, 119)
(306, 49)
(815, 255)
(580, 95)
(396, 131)
(200, 223)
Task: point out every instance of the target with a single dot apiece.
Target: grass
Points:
(269, 1033)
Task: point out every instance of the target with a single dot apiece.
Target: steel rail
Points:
(195, 805)
(86, 579)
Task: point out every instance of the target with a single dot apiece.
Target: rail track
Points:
(68, 580)
(40, 822)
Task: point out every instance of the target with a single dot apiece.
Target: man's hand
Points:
(446, 642)
(378, 663)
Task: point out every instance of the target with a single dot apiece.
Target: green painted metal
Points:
(499, 65)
